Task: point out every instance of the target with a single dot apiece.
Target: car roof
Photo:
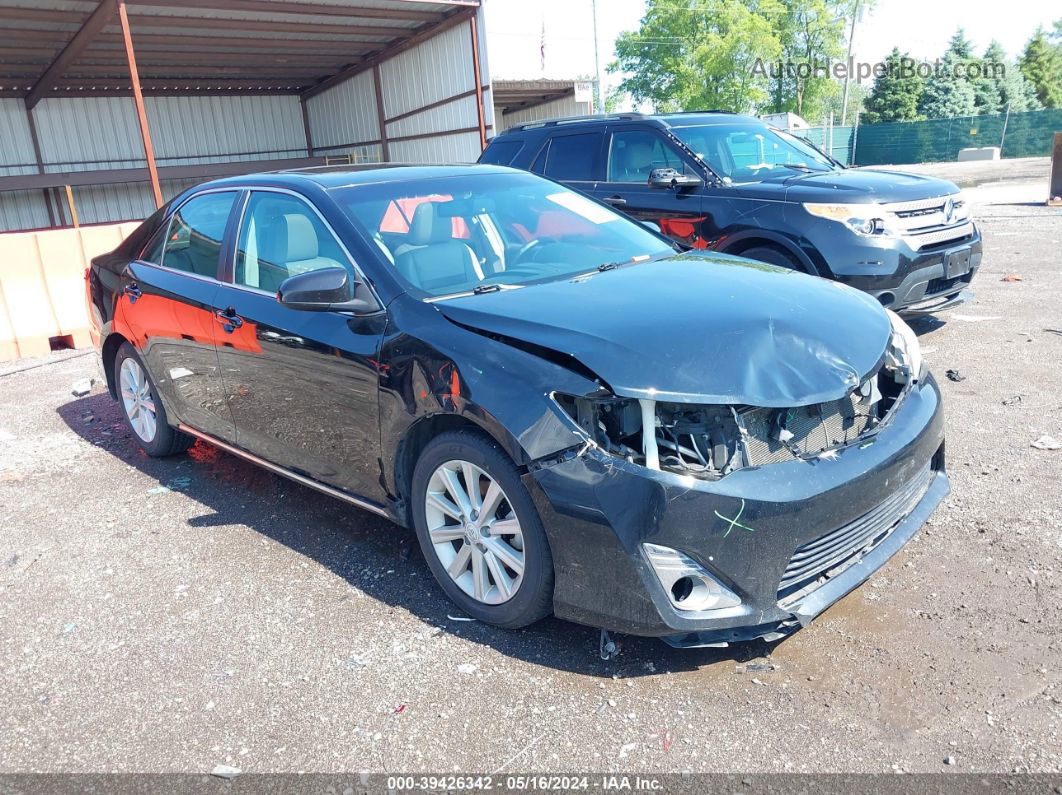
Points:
(678, 119)
(338, 176)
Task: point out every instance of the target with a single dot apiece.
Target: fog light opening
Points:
(681, 589)
(886, 299)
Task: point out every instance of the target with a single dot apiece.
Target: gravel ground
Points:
(179, 614)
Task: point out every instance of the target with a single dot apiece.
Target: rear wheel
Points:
(772, 256)
(142, 409)
(479, 531)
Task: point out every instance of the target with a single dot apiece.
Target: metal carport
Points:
(108, 108)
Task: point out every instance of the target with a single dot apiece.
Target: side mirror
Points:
(326, 290)
(673, 179)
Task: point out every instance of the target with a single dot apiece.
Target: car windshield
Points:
(751, 152)
(476, 233)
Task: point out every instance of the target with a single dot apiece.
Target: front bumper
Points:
(598, 510)
(905, 279)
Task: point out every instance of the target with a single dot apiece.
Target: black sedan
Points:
(575, 418)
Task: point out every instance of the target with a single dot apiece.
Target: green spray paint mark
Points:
(734, 521)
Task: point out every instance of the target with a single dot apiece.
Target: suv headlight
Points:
(905, 351)
(869, 220)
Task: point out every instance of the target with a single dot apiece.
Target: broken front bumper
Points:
(751, 530)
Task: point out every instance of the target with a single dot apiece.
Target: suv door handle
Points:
(132, 291)
(228, 319)
(615, 201)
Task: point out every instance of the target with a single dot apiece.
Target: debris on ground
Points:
(950, 760)
(1011, 277)
(1012, 400)
(954, 375)
(459, 618)
(82, 387)
(757, 667)
(225, 771)
(467, 668)
(1046, 442)
(400, 709)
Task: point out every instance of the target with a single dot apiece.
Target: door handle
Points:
(132, 291)
(229, 320)
(615, 201)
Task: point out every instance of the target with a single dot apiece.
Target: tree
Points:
(1002, 85)
(700, 54)
(811, 32)
(896, 92)
(949, 92)
(1041, 63)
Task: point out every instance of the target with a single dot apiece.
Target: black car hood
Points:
(696, 328)
(849, 186)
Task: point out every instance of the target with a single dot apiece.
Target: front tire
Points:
(480, 532)
(772, 256)
(143, 411)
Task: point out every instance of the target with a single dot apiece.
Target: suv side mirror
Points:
(671, 178)
(326, 290)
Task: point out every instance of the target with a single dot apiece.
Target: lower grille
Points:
(942, 286)
(817, 561)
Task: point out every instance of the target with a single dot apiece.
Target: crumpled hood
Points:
(858, 185)
(697, 328)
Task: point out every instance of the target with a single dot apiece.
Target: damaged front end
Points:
(711, 441)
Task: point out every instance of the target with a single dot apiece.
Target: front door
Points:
(633, 152)
(302, 385)
(167, 310)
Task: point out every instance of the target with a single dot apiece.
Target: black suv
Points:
(734, 184)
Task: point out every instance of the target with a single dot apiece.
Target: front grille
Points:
(827, 556)
(951, 234)
(814, 428)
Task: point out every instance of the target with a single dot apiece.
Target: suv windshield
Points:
(751, 152)
(452, 235)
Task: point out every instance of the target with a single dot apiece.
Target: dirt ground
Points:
(178, 614)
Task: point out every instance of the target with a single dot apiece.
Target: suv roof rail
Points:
(573, 119)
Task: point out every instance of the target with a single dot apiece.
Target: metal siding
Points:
(433, 70)
(205, 129)
(16, 152)
(565, 106)
(463, 148)
(22, 209)
(345, 113)
(86, 130)
(456, 115)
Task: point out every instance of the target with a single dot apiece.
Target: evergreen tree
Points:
(1042, 66)
(1002, 84)
(896, 91)
(949, 91)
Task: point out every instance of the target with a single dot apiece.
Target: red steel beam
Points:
(138, 100)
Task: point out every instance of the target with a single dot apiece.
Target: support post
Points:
(70, 204)
(381, 116)
(306, 127)
(138, 100)
(479, 83)
(40, 161)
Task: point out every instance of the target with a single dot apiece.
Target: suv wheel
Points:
(480, 532)
(772, 256)
(142, 409)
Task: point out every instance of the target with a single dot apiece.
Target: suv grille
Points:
(926, 222)
(817, 561)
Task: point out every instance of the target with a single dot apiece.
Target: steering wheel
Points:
(526, 247)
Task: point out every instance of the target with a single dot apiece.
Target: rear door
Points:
(632, 152)
(302, 385)
(573, 158)
(167, 309)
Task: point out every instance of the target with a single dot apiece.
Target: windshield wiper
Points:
(479, 289)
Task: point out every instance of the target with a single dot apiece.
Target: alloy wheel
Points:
(138, 401)
(474, 532)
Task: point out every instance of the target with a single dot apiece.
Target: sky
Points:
(923, 27)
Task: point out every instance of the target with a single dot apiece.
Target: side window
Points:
(633, 154)
(153, 250)
(501, 153)
(282, 236)
(572, 157)
(193, 244)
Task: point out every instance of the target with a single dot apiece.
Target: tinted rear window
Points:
(501, 153)
(572, 157)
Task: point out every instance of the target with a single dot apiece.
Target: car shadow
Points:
(924, 324)
(360, 547)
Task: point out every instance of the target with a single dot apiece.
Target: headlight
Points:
(863, 219)
(905, 351)
(688, 585)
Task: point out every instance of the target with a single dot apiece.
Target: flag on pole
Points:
(542, 44)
